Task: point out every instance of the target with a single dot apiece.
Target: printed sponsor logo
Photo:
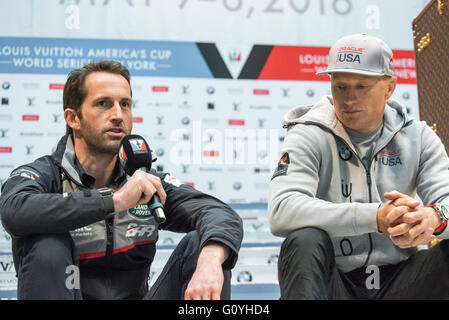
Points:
(140, 212)
(56, 86)
(138, 146)
(159, 88)
(210, 90)
(135, 230)
(235, 55)
(172, 180)
(185, 89)
(6, 85)
(349, 54)
(56, 118)
(7, 266)
(348, 57)
(5, 149)
(282, 167)
(29, 149)
(261, 91)
(137, 119)
(245, 276)
(30, 117)
(159, 120)
(345, 154)
(236, 122)
(353, 49)
(82, 232)
(32, 134)
(211, 153)
(25, 173)
(390, 158)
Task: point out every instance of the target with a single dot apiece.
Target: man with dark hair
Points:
(343, 192)
(81, 227)
(75, 90)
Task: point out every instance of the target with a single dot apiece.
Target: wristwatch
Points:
(443, 212)
(106, 194)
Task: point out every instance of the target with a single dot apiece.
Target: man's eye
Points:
(101, 103)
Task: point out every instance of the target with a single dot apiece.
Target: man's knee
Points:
(43, 271)
(50, 251)
(190, 244)
(308, 239)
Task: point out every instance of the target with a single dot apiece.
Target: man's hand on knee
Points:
(389, 213)
(407, 224)
(207, 280)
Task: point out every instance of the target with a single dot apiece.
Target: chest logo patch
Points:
(345, 154)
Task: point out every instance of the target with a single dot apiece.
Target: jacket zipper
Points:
(370, 197)
(368, 177)
(109, 222)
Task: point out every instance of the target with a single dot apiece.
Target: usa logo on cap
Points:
(349, 54)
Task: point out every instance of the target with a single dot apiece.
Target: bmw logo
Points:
(160, 152)
(185, 121)
(406, 95)
(210, 90)
(245, 276)
(345, 154)
(273, 259)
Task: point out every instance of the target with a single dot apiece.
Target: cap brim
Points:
(355, 71)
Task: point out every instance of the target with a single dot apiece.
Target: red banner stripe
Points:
(299, 63)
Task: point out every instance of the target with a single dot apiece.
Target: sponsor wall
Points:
(211, 82)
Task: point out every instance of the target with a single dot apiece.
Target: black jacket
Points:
(115, 249)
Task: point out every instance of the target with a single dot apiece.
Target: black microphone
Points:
(135, 154)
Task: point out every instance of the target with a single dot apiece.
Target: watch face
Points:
(104, 192)
(444, 211)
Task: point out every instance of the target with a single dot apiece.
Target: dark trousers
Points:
(307, 270)
(45, 259)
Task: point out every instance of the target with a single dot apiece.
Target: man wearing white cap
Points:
(343, 191)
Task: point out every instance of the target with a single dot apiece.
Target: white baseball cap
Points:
(360, 54)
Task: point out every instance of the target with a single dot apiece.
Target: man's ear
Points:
(391, 86)
(72, 119)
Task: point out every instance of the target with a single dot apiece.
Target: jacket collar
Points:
(66, 158)
(323, 114)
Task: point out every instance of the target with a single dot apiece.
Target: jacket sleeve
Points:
(433, 174)
(293, 188)
(188, 209)
(31, 204)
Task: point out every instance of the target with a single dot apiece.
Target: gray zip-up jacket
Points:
(320, 180)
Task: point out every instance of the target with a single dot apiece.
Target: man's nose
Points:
(350, 96)
(117, 112)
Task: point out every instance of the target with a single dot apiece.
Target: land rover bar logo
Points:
(141, 212)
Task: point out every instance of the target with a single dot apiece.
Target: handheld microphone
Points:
(134, 154)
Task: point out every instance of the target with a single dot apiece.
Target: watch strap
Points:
(444, 220)
(106, 195)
